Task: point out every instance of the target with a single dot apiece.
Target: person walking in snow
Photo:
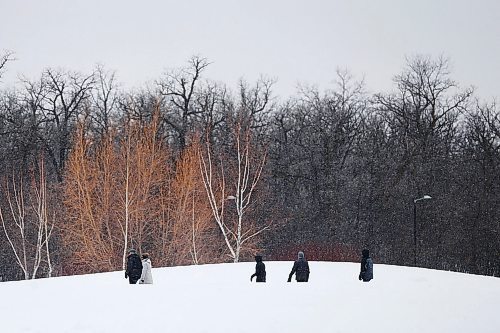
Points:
(260, 270)
(366, 273)
(146, 277)
(134, 267)
(300, 269)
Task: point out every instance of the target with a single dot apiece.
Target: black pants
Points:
(133, 279)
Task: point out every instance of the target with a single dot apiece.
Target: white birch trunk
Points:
(127, 204)
(17, 207)
(194, 232)
(217, 209)
(243, 189)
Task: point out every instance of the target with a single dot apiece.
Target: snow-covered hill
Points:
(221, 299)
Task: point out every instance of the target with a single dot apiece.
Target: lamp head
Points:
(425, 197)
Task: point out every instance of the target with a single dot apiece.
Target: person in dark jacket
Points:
(300, 269)
(260, 270)
(366, 273)
(134, 267)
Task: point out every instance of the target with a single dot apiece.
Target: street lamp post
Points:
(425, 197)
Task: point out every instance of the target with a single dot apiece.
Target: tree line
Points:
(193, 172)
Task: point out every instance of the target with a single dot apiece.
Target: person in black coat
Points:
(366, 273)
(260, 270)
(300, 269)
(134, 267)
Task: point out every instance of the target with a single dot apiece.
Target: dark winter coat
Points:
(260, 270)
(134, 268)
(300, 269)
(366, 273)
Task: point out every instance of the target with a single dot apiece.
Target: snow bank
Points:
(221, 299)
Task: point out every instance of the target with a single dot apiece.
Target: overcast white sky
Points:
(293, 41)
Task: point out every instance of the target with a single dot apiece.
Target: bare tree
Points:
(145, 172)
(427, 101)
(194, 236)
(216, 103)
(481, 149)
(26, 225)
(180, 89)
(239, 180)
(63, 100)
(255, 103)
(114, 190)
(485, 127)
(4, 58)
(40, 206)
(17, 208)
(104, 99)
(90, 229)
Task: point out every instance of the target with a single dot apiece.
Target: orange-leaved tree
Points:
(115, 189)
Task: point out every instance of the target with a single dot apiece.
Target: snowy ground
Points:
(221, 299)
